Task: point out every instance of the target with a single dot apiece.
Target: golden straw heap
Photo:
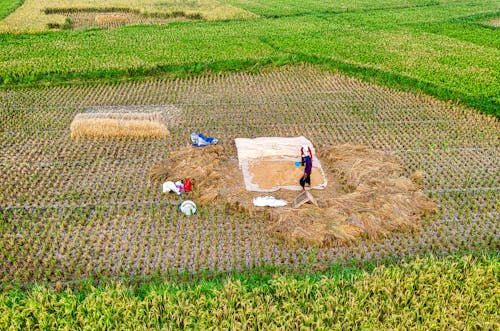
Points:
(367, 195)
(119, 124)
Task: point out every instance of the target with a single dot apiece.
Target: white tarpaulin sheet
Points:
(282, 153)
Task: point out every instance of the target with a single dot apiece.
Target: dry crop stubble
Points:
(37, 16)
(81, 20)
(85, 184)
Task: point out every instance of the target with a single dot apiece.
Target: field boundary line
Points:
(157, 202)
(469, 189)
(86, 205)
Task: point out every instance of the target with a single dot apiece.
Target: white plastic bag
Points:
(170, 187)
(269, 201)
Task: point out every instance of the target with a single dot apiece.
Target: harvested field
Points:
(367, 197)
(81, 20)
(72, 208)
(40, 15)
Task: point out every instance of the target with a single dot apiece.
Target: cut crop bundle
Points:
(134, 125)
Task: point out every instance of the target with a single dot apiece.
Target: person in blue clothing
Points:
(306, 155)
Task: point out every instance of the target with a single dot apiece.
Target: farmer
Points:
(306, 155)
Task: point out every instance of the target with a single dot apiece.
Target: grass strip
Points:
(7, 7)
(141, 73)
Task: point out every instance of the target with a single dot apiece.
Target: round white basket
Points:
(188, 207)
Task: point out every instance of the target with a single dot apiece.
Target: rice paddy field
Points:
(89, 241)
(84, 208)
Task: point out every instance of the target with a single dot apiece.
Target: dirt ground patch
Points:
(271, 173)
(368, 196)
(495, 22)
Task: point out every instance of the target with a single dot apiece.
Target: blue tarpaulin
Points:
(199, 140)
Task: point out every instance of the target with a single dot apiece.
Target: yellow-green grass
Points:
(454, 293)
(494, 22)
(37, 16)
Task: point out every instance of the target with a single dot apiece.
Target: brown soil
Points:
(271, 173)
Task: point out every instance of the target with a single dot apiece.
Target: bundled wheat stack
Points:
(368, 196)
(120, 124)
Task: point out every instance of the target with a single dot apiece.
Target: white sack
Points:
(268, 201)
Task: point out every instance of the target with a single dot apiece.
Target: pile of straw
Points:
(207, 167)
(367, 195)
(119, 124)
(373, 198)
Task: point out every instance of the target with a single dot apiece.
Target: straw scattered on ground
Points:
(367, 194)
(371, 199)
(111, 18)
(106, 125)
(495, 22)
(215, 175)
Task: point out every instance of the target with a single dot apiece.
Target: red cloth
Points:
(187, 185)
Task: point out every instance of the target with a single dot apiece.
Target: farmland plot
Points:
(36, 16)
(73, 208)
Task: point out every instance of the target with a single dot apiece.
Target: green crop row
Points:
(430, 293)
(277, 8)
